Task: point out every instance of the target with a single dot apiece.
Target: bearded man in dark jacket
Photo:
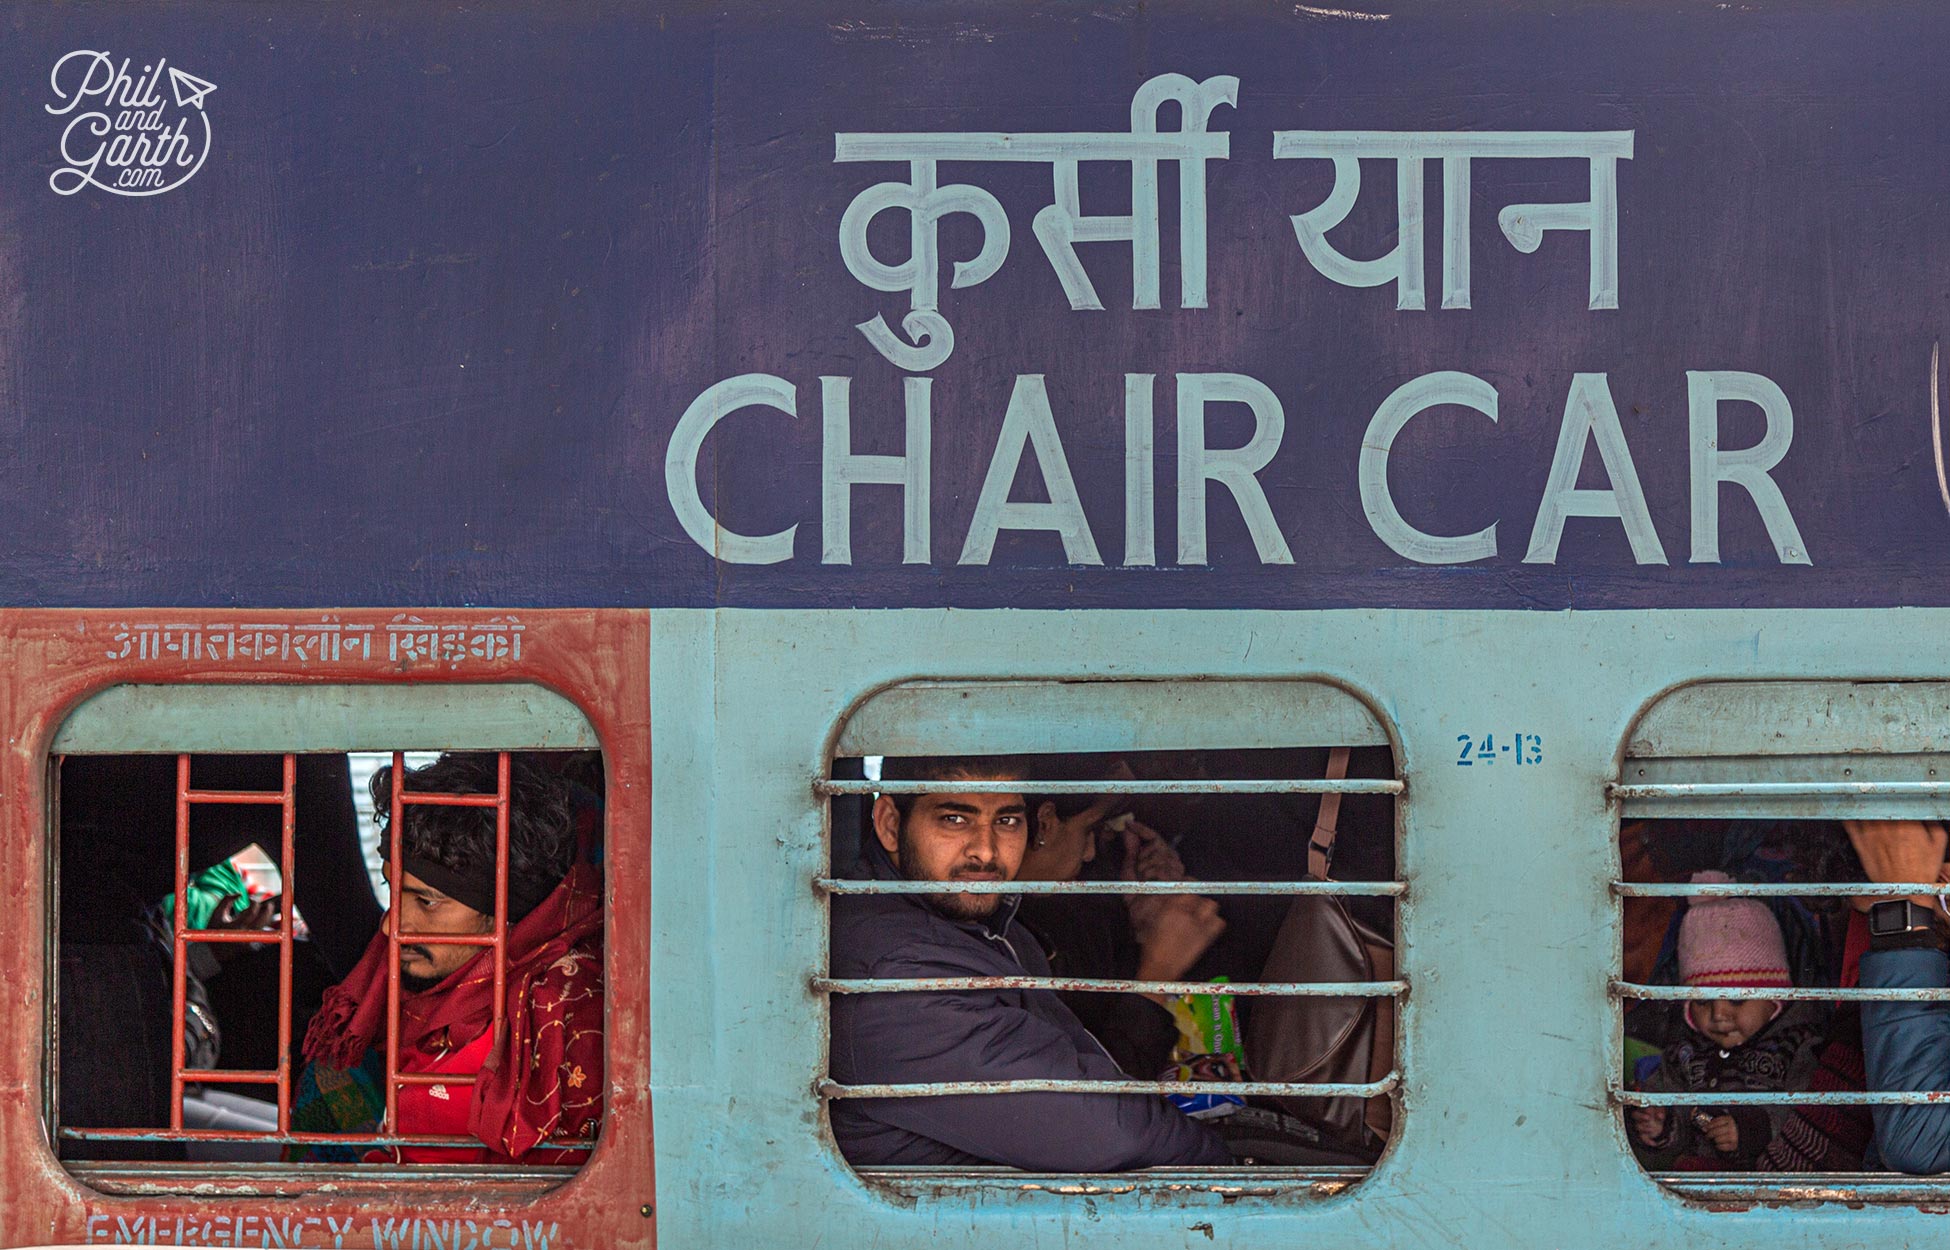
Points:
(973, 1035)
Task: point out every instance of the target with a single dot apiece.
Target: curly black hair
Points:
(541, 824)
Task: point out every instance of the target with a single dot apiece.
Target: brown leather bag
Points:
(1327, 1039)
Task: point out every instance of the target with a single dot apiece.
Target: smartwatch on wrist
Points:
(1901, 924)
(1899, 915)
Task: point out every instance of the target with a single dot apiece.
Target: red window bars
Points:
(495, 937)
(286, 798)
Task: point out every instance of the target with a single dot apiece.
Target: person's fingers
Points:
(1158, 862)
(1131, 844)
(1167, 860)
(1885, 844)
(1898, 850)
(238, 912)
(1723, 1133)
(1149, 851)
(1199, 920)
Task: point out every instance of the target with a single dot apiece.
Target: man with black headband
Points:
(553, 1000)
(447, 860)
(973, 1035)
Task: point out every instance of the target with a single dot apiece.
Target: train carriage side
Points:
(1444, 473)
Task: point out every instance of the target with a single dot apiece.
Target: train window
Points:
(232, 987)
(1742, 1070)
(1113, 926)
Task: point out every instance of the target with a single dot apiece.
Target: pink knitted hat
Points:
(1730, 942)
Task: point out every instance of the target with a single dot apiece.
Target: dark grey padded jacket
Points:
(979, 1035)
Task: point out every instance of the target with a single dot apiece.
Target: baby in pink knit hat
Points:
(1732, 942)
(1731, 1044)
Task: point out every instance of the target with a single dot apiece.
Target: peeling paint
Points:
(1352, 15)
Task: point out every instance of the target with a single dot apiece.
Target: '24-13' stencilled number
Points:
(1521, 749)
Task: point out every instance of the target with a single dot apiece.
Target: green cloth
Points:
(209, 891)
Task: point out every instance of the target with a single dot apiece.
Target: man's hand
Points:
(263, 914)
(1723, 1133)
(1648, 1124)
(1172, 931)
(1148, 857)
(1898, 850)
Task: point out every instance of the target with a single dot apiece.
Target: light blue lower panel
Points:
(1509, 932)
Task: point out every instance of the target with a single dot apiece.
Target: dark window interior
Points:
(115, 836)
(1819, 1044)
(1219, 837)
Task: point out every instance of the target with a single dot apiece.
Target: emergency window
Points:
(1742, 1069)
(1225, 800)
(218, 872)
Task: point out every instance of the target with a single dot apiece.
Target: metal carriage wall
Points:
(415, 312)
(418, 316)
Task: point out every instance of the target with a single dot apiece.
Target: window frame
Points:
(597, 658)
(133, 719)
(902, 696)
(1698, 775)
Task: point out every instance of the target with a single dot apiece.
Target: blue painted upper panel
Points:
(420, 297)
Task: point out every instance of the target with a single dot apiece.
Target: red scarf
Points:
(553, 1019)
